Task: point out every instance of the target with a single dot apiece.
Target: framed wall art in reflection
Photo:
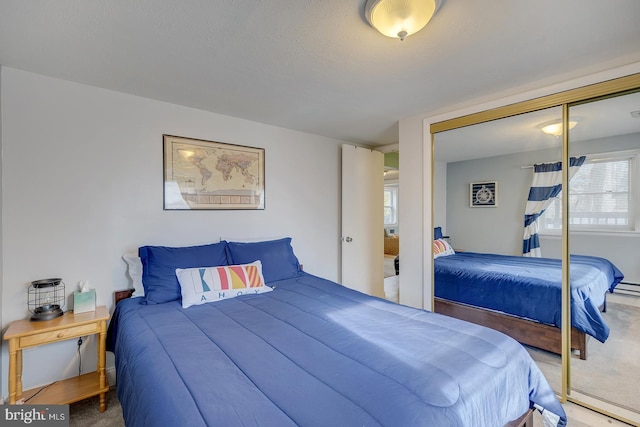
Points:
(201, 174)
(483, 194)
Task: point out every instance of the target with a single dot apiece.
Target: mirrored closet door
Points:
(500, 180)
(604, 208)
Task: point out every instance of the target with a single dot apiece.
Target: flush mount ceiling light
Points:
(555, 127)
(400, 18)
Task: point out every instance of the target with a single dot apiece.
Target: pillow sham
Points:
(278, 259)
(211, 284)
(159, 265)
(441, 248)
(134, 270)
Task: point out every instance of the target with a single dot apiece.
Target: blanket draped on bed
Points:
(314, 353)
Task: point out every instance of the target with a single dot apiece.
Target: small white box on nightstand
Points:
(84, 301)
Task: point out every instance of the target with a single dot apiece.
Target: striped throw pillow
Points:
(210, 284)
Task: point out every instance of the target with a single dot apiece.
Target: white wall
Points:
(82, 184)
(415, 146)
(440, 196)
(412, 210)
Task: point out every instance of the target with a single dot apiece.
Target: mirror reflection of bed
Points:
(607, 356)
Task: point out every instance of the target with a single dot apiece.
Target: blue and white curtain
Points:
(546, 184)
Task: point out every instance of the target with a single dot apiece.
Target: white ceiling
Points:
(317, 66)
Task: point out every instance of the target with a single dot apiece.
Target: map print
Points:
(212, 175)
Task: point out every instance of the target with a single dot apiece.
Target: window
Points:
(390, 205)
(601, 197)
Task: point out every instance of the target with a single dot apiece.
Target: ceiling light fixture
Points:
(555, 127)
(400, 18)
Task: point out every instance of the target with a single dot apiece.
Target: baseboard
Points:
(111, 376)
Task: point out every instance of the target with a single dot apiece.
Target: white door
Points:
(363, 220)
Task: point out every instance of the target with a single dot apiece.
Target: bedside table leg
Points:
(12, 371)
(102, 348)
(19, 373)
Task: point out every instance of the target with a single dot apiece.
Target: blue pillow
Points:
(159, 265)
(278, 259)
(437, 233)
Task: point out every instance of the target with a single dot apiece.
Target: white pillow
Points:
(134, 270)
(211, 284)
(441, 248)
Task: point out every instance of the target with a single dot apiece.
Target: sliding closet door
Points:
(604, 210)
(594, 133)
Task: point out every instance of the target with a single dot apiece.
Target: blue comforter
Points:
(315, 353)
(529, 287)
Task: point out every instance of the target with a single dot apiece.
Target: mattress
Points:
(314, 353)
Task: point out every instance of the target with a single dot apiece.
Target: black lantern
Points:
(46, 299)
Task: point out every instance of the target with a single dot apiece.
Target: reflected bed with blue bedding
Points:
(529, 287)
(314, 353)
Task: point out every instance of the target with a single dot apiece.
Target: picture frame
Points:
(483, 194)
(211, 175)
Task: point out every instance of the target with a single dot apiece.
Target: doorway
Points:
(391, 224)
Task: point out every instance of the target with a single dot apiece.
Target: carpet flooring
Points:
(612, 369)
(87, 412)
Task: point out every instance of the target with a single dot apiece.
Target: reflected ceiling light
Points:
(400, 18)
(555, 127)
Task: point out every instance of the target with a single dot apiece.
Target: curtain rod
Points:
(611, 155)
(602, 159)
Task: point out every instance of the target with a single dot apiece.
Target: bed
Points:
(309, 352)
(521, 296)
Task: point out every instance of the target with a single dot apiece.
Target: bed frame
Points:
(526, 420)
(525, 331)
(120, 295)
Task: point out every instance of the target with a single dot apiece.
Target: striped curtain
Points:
(546, 184)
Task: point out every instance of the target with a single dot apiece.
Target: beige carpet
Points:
(87, 412)
(612, 369)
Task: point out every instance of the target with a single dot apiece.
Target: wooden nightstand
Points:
(23, 334)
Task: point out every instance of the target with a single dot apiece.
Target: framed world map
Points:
(202, 174)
